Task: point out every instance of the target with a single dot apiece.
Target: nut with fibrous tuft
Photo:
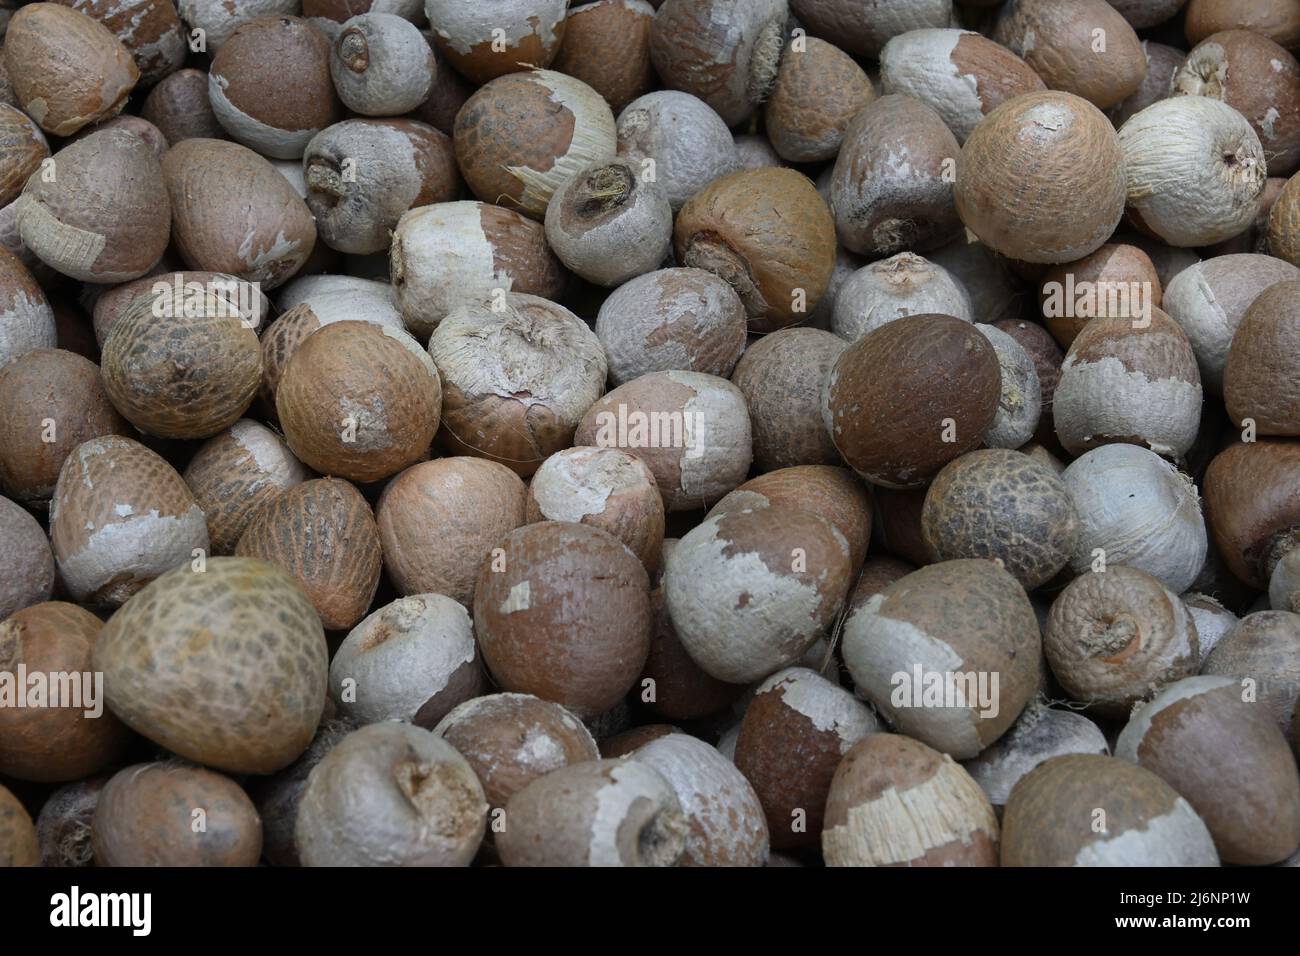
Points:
(120, 516)
(515, 35)
(517, 379)
(607, 46)
(726, 52)
(818, 91)
(63, 825)
(381, 65)
(680, 138)
(896, 802)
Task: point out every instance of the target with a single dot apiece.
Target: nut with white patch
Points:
(381, 65)
(150, 30)
(687, 141)
(218, 19)
(486, 42)
(1212, 620)
(905, 284)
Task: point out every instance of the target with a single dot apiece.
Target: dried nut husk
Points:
(521, 136)
(1038, 735)
(1211, 618)
(905, 284)
(843, 23)
(412, 660)
(686, 141)
(896, 802)
(794, 733)
(120, 516)
(919, 629)
(691, 429)
(1209, 300)
(1252, 500)
(67, 69)
(265, 241)
(517, 35)
(1041, 178)
(179, 107)
(1276, 19)
(269, 85)
(1260, 377)
(725, 822)
(892, 185)
(51, 737)
(750, 591)
(23, 148)
(391, 794)
(323, 534)
(781, 376)
(18, 843)
(911, 396)
(1115, 636)
(146, 816)
(240, 643)
(606, 488)
(1163, 62)
(959, 73)
(363, 174)
(818, 91)
(26, 561)
(1195, 170)
(103, 216)
(607, 46)
(726, 52)
(769, 234)
(1131, 380)
(1137, 510)
(452, 254)
(516, 379)
(63, 825)
(1225, 755)
(177, 368)
(439, 520)
(1263, 648)
(1001, 504)
(381, 64)
(39, 388)
(1116, 281)
(359, 400)
(597, 813)
(568, 619)
(678, 319)
(26, 319)
(1048, 820)
(512, 739)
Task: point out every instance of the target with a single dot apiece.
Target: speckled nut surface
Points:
(26, 561)
(749, 591)
(794, 733)
(510, 740)
(391, 794)
(687, 141)
(1001, 504)
(150, 30)
(242, 630)
(120, 516)
(104, 215)
(896, 802)
(672, 319)
(607, 46)
(270, 85)
(1225, 755)
(146, 816)
(323, 534)
(517, 377)
(920, 628)
(67, 69)
(691, 429)
(597, 813)
(531, 33)
(18, 844)
(1049, 818)
(1042, 178)
(818, 91)
(563, 612)
(266, 242)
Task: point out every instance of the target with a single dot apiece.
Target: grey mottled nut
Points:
(26, 561)
(905, 284)
(688, 142)
(1021, 403)
(1264, 647)
(381, 65)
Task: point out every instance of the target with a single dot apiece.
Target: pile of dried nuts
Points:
(692, 432)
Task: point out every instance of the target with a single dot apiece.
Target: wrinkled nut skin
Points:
(564, 613)
(688, 143)
(146, 815)
(323, 534)
(63, 825)
(28, 319)
(1047, 821)
(892, 395)
(67, 69)
(510, 740)
(1252, 506)
(18, 843)
(54, 743)
(597, 813)
(896, 802)
(243, 632)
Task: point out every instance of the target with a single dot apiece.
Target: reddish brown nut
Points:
(26, 561)
(563, 612)
(1261, 380)
(22, 150)
(323, 534)
(607, 46)
(1116, 281)
(842, 21)
(1263, 648)
(896, 802)
(818, 91)
(769, 234)
(150, 30)
(1252, 505)
(530, 35)
(270, 85)
(66, 68)
(180, 108)
(911, 396)
(1278, 20)
(55, 401)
